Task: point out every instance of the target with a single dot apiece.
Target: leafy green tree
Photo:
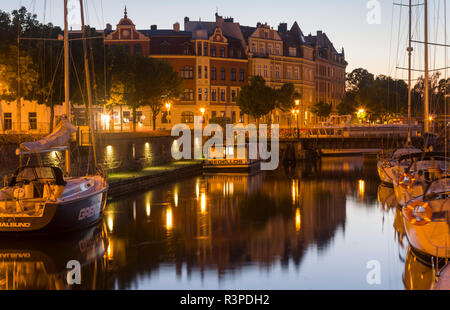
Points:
(256, 99)
(155, 82)
(19, 78)
(286, 97)
(322, 109)
(359, 78)
(348, 105)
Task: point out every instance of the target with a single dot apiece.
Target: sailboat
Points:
(39, 198)
(424, 191)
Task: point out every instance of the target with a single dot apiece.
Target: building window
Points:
(213, 94)
(241, 117)
(270, 49)
(187, 73)
(187, 117)
(241, 75)
(265, 71)
(7, 121)
(213, 73)
(164, 49)
(222, 52)
(277, 49)
(254, 48)
(277, 72)
(296, 74)
(199, 50)
(239, 53)
(205, 49)
(213, 114)
(199, 72)
(261, 50)
(292, 51)
(188, 95)
(231, 52)
(213, 51)
(200, 94)
(222, 95)
(233, 117)
(259, 69)
(32, 119)
(206, 94)
(126, 115)
(233, 95)
(233, 74)
(222, 74)
(206, 72)
(138, 49)
(186, 50)
(289, 73)
(164, 117)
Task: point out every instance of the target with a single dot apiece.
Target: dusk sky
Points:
(374, 45)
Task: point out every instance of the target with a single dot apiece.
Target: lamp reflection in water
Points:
(294, 191)
(169, 219)
(362, 187)
(298, 220)
(203, 203)
(110, 223)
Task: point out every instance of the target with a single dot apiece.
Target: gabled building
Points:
(330, 69)
(216, 58)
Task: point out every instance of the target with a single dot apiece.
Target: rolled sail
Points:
(58, 138)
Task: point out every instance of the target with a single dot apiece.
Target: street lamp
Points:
(296, 113)
(202, 110)
(168, 106)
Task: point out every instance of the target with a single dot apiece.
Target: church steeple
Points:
(125, 14)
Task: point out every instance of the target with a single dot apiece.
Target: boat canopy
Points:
(56, 140)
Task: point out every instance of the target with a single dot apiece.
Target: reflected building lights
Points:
(203, 203)
(175, 199)
(169, 219)
(298, 220)
(294, 191)
(362, 187)
(148, 209)
(110, 223)
(197, 189)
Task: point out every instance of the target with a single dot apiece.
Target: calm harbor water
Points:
(315, 227)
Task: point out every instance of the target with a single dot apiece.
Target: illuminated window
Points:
(32, 119)
(7, 121)
(187, 117)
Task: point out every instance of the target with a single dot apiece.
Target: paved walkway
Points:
(149, 171)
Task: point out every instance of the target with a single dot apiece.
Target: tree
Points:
(19, 78)
(359, 78)
(348, 105)
(155, 82)
(286, 97)
(256, 99)
(121, 73)
(322, 109)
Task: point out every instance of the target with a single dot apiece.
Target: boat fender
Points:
(418, 213)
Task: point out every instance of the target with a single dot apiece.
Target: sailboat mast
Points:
(426, 95)
(66, 79)
(409, 72)
(88, 83)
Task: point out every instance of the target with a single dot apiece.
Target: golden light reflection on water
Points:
(298, 220)
(203, 203)
(362, 187)
(169, 219)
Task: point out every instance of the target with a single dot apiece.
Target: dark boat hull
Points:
(59, 217)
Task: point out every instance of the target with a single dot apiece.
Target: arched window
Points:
(187, 117)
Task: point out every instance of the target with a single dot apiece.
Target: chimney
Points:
(258, 25)
(229, 20)
(153, 27)
(186, 20)
(108, 27)
(176, 27)
(282, 27)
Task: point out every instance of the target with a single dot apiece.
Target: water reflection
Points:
(314, 226)
(33, 264)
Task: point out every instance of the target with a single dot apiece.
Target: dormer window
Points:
(292, 51)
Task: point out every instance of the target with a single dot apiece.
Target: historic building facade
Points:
(216, 58)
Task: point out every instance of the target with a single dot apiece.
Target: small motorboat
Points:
(427, 220)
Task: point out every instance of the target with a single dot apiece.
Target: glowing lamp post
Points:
(168, 106)
(296, 113)
(202, 110)
(361, 114)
